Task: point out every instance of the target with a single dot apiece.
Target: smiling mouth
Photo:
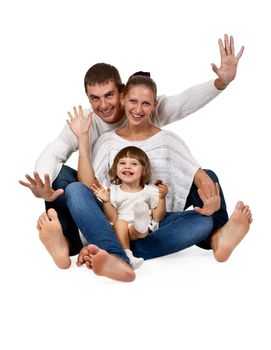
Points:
(129, 173)
(135, 116)
(107, 113)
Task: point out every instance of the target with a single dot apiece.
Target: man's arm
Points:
(173, 108)
(56, 154)
(41, 189)
(49, 165)
(209, 193)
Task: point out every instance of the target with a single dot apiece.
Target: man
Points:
(103, 87)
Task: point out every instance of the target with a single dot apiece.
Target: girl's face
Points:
(139, 103)
(129, 170)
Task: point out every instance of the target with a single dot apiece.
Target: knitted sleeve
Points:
(101, 157)
(172, 108)
(56, 154)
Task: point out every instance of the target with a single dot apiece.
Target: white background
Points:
(184, 301)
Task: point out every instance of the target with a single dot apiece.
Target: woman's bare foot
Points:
(108, 265)
(51, 235)
(224, 240)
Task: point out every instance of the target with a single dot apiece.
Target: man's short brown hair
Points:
(102, 73)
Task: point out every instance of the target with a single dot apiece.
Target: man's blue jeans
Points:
(97, 225)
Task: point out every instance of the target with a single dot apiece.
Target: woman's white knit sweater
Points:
(170, 158)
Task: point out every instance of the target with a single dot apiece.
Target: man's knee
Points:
(66, 176)
(212, 175)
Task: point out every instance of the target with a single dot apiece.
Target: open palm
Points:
(229, 62)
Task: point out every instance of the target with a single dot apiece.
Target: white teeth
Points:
(136, 116)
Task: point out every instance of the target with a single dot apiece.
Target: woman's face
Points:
(139, 103)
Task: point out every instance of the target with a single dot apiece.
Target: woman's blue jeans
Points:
(177, 231)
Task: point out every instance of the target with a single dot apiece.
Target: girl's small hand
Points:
(78, 124)
(163, 190)
(101, 192)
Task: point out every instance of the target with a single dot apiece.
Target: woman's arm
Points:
(80, 127)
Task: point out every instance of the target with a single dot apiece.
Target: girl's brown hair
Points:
(136, 153)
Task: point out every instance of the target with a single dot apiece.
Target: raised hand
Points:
(163, 190)
(228, 67)
(41, 189)
(210, 196)
(101, 192)
(78, 124)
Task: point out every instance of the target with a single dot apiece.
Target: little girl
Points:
(130, 204)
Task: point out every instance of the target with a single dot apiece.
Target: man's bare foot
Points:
(51, 235)
(224, 240)
(108, 265)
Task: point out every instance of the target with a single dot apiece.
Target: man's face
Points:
(105, 101)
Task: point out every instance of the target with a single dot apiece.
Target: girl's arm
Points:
(159, 212)
(110, 212)
(104, 194)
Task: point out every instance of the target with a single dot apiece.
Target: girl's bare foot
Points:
(51, 235)
(108, 265)
(225, 239)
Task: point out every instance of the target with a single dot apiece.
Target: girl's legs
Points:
(122, 231)
(142, 217)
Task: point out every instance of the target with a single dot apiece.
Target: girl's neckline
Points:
(131, 192)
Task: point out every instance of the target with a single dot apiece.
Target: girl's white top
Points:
(124, 202)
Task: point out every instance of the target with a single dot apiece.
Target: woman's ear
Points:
(154, 107)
